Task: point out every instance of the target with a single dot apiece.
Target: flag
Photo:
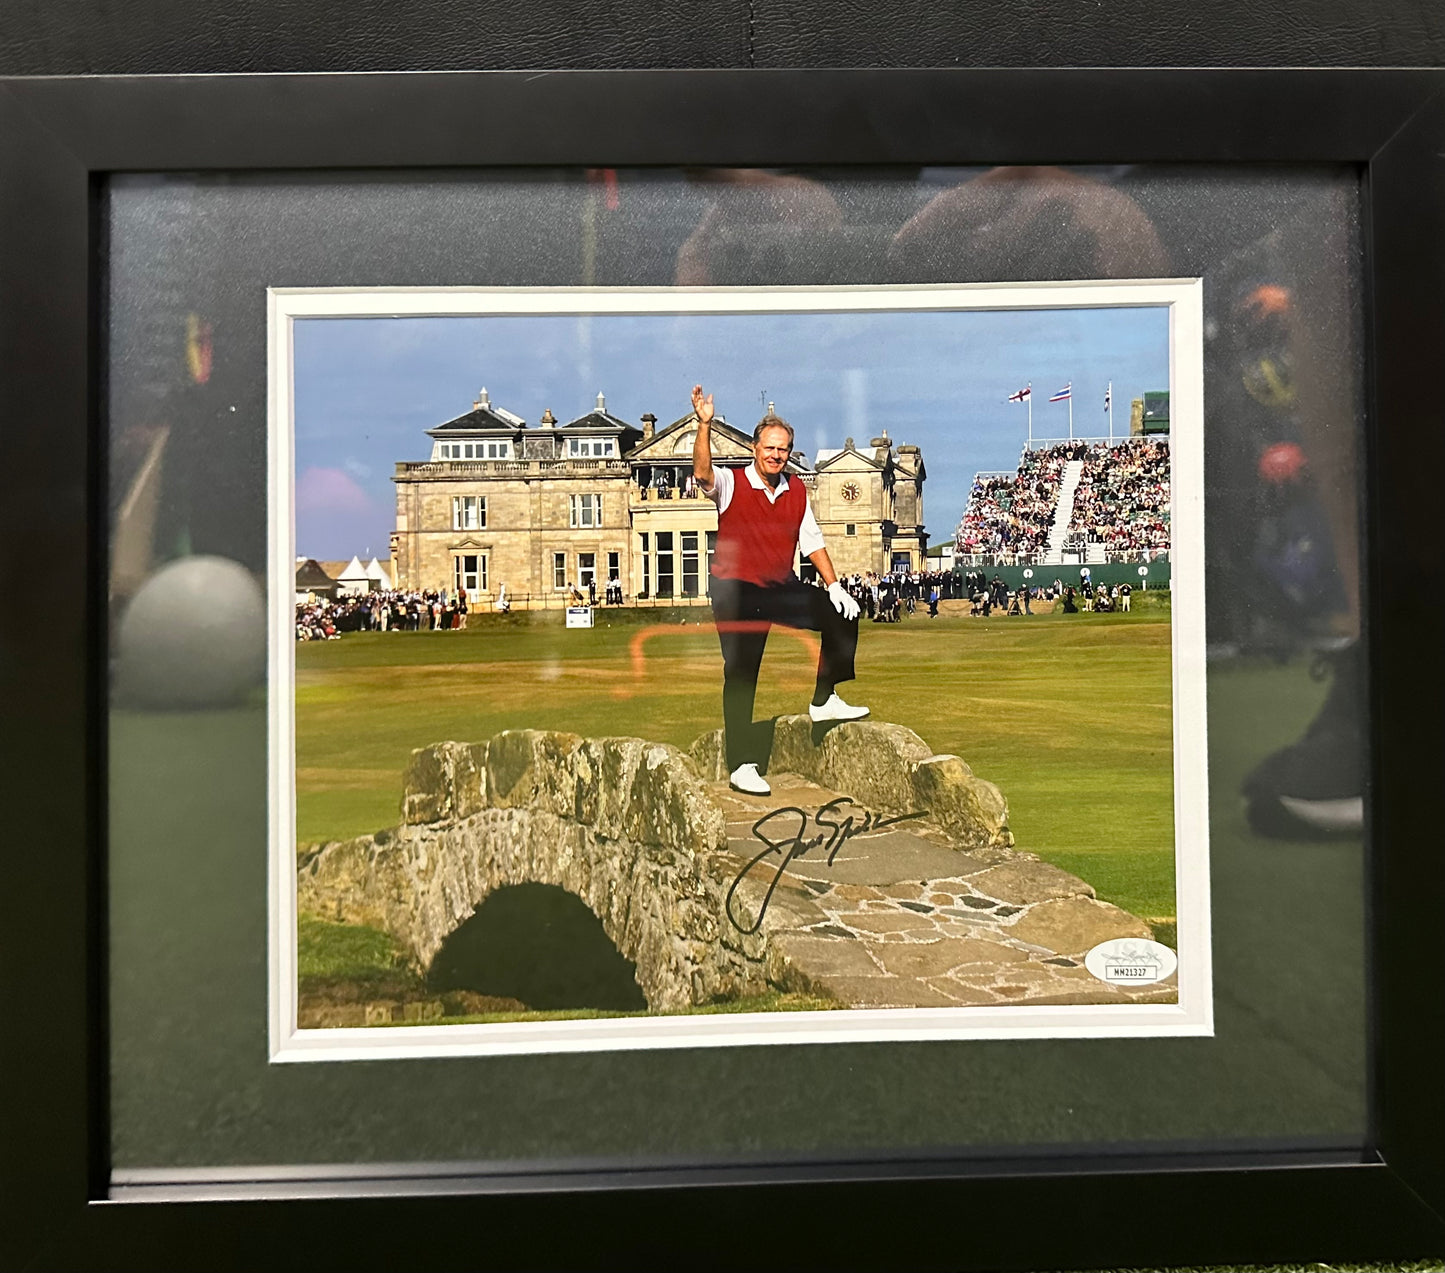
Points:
(1108, 396)
(1064, 394)
(1026, 392)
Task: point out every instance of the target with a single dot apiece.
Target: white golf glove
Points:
(842, 602)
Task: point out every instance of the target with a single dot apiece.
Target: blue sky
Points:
(367, 389)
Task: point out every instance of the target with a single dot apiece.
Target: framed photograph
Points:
(857, 639)
(866, 871)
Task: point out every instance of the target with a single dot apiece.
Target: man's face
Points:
(771, 451)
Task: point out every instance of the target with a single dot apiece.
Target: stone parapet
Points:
(623, 788)
(883, 766)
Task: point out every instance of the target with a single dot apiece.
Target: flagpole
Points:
(1071, 413)
(1031, 414)
(1111, 413)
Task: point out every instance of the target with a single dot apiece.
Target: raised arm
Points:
(702, 443)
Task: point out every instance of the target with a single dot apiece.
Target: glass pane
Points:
(190, 259)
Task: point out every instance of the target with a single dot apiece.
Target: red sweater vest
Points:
(757, 538)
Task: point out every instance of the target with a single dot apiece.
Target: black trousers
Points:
(745, 613)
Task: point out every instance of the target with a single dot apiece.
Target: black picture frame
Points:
(58, 140)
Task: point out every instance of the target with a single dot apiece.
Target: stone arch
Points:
(540, 945)
(624, 825)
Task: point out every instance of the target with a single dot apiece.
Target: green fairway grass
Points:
(1069, 714)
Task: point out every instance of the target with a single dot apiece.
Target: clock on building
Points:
(851, 491)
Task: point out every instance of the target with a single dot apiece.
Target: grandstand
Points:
(1077, 501)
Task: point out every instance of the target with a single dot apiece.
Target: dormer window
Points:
(474, 450)
(591, 448)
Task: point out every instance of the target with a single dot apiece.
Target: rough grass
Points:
(1069, 714)
(343, 951)
(773, 1001)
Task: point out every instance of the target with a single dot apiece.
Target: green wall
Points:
(1158, 576)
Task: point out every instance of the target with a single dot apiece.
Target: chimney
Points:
(548, 419)
(483, 401)
(601, 402)
(649, 426)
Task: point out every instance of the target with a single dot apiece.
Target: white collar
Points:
(756, 479)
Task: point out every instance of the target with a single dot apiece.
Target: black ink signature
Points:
(836, 834)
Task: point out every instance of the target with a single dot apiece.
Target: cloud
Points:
(335, 517)
(356, 468)
(323, 490)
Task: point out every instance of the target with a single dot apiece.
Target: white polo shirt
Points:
(810, 538)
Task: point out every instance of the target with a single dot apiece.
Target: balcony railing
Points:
(520, 468)
(649, 493)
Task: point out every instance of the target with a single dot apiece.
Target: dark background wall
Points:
(39, 37)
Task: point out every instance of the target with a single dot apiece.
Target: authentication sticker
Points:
(1133, 960)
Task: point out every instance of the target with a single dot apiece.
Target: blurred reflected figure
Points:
(763, 229)
(1028, 223)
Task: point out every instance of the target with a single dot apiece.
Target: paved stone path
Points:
(901, 919)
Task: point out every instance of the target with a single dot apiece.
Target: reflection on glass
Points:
(190, 260)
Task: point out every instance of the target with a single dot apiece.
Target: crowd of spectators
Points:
(1014, 512)
(1123, 497)
(381, 611)
(986, 595)
(1094, 598)
(884, 598)
(887, 598)
(1122, 501)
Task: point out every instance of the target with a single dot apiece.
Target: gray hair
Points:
(771, 421)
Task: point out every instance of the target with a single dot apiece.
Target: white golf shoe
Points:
(836, 709)
(747, 778)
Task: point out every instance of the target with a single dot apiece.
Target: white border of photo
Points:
(1192, 1015)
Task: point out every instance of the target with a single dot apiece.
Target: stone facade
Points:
(528, 523)
(540, 508)
(536, 510)
(869, 506)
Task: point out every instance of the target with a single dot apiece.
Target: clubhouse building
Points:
(541, 508)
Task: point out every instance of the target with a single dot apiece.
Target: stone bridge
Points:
(935, 910)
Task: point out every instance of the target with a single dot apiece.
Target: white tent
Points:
(381, 574)
(353, 581)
